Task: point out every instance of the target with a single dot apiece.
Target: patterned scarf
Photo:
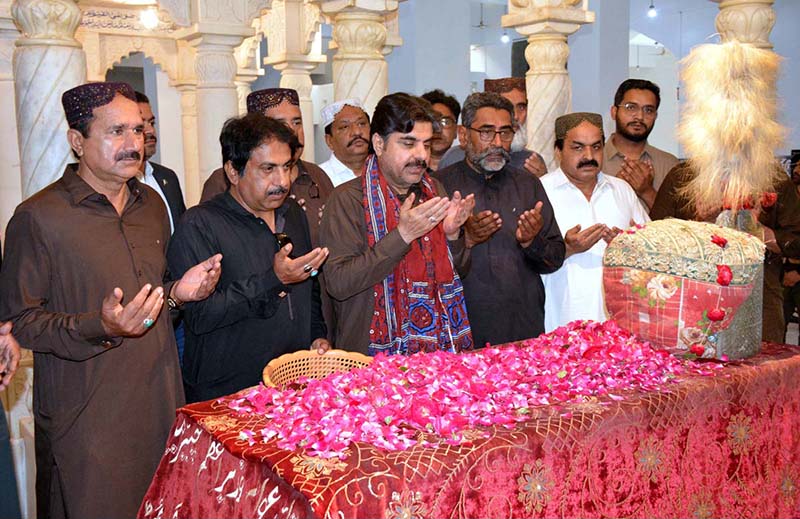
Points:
(420, 306)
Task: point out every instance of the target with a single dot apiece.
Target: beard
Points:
(486, 164)
(633, 137)
(520, 139)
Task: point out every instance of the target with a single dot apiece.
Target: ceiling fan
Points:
(481, 24)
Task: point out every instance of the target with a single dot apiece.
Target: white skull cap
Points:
(329, 112)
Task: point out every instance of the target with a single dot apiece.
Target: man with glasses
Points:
(591, 209)
(447, 110)
(310, 185)
(627, 153)
(347, 135)
(267, 302)
(514, 235)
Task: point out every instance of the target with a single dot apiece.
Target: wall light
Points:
(652, 12)
(505, 38)
(149, 18)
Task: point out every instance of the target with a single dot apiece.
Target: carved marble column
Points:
(360, 33)
(10, 190)
(248, 66)
(217, 29)
(747, 21)
(290, 27)
(47, 61)
(547, 23)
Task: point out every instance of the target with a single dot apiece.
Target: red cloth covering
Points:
(720, 446)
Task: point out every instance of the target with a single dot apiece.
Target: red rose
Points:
(768, 200)
(716, 314)
(719, 240)
(748, 203)
(724, 275)
(697, 349)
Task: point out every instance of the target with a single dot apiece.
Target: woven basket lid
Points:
(685, 248)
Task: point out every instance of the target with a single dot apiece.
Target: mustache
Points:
(279, 190)
(590, 162)
(356, 139)
(125, 155)
(417, 164)
(495, 150)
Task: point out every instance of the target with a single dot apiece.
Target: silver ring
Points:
(314, 272)
(307, 268)
(148, 322)
(432, 218)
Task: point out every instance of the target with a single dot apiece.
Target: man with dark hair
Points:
(591, 209)
(162, 179)
(310, 186)
(514, 236)
(391, 234)
(448, 110)
(82, 282)
(347, 135)
(627, 154)
(267, 302)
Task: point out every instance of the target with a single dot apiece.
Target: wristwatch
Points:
(173, 302)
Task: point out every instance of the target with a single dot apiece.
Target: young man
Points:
(627, 153)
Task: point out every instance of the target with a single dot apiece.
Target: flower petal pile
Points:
(389, 402)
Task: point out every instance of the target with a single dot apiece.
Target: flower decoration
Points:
(768, 199)
(724, 275)
(716, 315)
(429, 398)
(661, 287)
(719, 240)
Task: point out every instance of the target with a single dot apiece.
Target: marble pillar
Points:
(747, 21)
(47, 61)
(290, 27)
(217, 97)
(10, 190)
(360, 34)
(546, 24)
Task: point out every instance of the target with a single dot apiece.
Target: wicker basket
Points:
(305, 363)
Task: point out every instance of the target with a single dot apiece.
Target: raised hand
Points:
(199, 281)
(136, 317)
(457, 213)
(578, 241)
(416, 222)
(9, 355)
(535, 165)
(480, 227)
(529, 224)
(294, 270)
(640, 176)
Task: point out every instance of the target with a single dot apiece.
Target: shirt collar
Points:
(612, 151)
(560, 179)
(80, 190)
(236, 208)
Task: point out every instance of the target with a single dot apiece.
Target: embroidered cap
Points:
(262, 100)
(569, 121)
(80, 102)
(503, 85)
(329, 112)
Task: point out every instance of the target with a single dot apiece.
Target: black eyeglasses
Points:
(304, 179)
(487, 134)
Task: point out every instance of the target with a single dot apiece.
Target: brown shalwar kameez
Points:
(103, 406)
